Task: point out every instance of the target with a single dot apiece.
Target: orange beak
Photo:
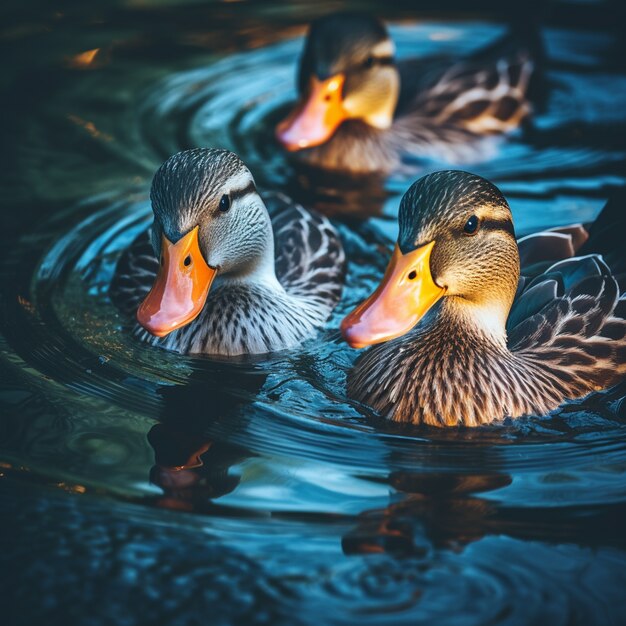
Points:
(180, 289)
(403, 297)
(315, 119)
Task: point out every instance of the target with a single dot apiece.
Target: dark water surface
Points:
(293, 505)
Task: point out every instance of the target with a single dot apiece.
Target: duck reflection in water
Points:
(431, 510)
(191, 465)
(441, 507)
(191, 469)
(447, 509)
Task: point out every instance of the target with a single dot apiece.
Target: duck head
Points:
(346, 72)
(457, 245)
(208, 220)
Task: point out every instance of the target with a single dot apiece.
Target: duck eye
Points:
(471, 226)
(369, 62)
(187, 260)
(224, 203)
(412, 275)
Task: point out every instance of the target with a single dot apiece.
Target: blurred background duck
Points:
(360, 110)
(220, 274)
(465, 341)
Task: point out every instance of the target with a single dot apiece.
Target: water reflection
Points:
(440, 508)
(190, 466)
(443, 511)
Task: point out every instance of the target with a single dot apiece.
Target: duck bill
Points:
(315, 119)
(180, 289)
(405, 294)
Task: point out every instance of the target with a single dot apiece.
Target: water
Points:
(294, 505)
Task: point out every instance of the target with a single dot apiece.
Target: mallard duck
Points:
(218, 273)
(462, 339)
(361, 111)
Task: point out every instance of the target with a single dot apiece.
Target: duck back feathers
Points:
(309, 257)
(570, 317)
(568, 328)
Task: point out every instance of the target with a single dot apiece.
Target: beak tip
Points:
(147, 323)
(356, 345)
(157, 332)
(349, 333)
(289, 143)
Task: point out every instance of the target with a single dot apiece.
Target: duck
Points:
(461, 337)
(359, 110)
(223, 272)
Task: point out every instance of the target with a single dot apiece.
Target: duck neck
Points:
(484, 319)
(447, 371)
(259, 270)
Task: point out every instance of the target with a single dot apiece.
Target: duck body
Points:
(274, 303)
(389, 111)
(491, 346)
